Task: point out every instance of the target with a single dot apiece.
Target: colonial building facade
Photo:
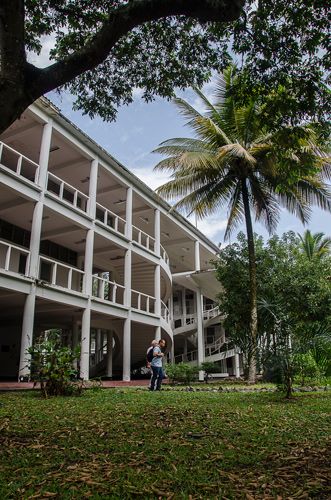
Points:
(90, 250)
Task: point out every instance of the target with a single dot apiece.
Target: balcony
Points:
(143, 239)
(142, 302)
(67, 193)
(107, 290)
(109, 219)
(14, 258)
(60, 275)
(18, 164)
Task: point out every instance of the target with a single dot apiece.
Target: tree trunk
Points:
(252, 281)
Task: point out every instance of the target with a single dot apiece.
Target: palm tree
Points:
(315, 245)
(235, 160)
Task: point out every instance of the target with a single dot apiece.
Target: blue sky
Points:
(139, 128)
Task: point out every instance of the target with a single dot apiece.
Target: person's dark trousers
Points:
(157, 377)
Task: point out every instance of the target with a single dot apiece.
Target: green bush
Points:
(52, 365)
(305, 367)
(182, 373)
(208, 367)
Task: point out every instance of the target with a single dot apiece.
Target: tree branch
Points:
(120, 22)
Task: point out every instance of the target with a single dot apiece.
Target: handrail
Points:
(164, 255)
(22, 163)
(67, 192)
(165, 313)
(211, 313)
(143, 239)
(64, 281)
(110, 219)
(112, 293)
(144, 302)
(8, 263)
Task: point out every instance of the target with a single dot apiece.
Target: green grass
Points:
(127, 443)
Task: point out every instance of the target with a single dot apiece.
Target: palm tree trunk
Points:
(252, 281)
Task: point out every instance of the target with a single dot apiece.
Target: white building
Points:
(87, 248)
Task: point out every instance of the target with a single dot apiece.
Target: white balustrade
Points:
(211, 313)
(67, 193)
(21, 165)
(164, 255)
(143, 239)
(108, 218)
(142, 301)
(108, 290)
(14, 258)
(59, 274)
(165, 313)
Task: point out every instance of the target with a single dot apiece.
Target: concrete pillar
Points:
(157, 289)
(109, 366)
(85, 344)
(88, 261)
(128, 214)
(127, 350)
(97, 345)
(35, 239)
(75, 335)
(200, 332)
(93, 188)
(27, 333)
(184, 306)
(127, 277)
(157, 231)
(236, 366)
(44, 153)
(157, 333)
(197, 256)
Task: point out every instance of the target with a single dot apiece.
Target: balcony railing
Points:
(60, 274)
(142, 301)
(67, 193)
(108, 218)
(107, 290)
(165, 313)
(14, 258)
(211, 313)
(143, 239)
(18, 163)
(164, 255)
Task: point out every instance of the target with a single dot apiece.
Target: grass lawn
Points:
(129, 443)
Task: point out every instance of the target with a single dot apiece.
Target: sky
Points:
(140, 127)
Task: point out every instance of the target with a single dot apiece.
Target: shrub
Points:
(52, 365)
(305, 367)
(182, 373)
(208, 367)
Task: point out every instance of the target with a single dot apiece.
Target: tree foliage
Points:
(105, 48)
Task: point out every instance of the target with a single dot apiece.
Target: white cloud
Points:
(213, 227)
(149, 177)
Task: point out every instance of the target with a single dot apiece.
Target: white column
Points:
(85, 344)
(93, 188)
(185, 349)
(157, 289)
(127, 350)
(44, 153)
(184, 306)
(88, 261)
(128, 214)
(75, 334)
(97, 345)
(157, 333)
(27, 333)
(127, 277)
(200, 333)
(109, 366)
(157, 231)
(236, 366)
(197, 256)
(35, 239)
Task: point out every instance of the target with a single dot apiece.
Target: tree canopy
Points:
(105, 48)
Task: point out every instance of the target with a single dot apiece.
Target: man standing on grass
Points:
(156, 365)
